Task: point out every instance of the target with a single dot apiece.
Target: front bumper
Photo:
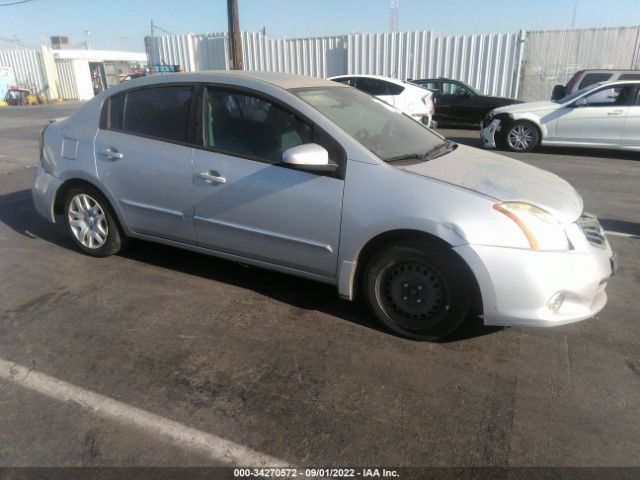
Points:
(488, 133)
(519, 286)
(43, 193)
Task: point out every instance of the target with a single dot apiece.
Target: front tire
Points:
(91, 222)
(419, 290)
(521, 136)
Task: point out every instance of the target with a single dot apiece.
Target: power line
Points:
(15, 3)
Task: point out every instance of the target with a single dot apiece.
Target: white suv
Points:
(415, 101)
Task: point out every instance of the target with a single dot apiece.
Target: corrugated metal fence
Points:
(523, 65)
(28, 68)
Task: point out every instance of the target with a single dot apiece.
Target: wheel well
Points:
(61, 194)
(393, 237)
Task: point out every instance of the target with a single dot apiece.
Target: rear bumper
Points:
(43, 192)
(519, 286)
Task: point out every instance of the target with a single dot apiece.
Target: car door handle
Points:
(112, 153)
(212, 177)
(615, 112)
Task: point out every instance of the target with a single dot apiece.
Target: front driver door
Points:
(459, 104)
(598, 118)
(249, 204)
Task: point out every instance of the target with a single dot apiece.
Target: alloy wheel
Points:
(87, 221)
(521, 137)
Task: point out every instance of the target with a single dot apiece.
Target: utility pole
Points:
(235, 42)
(573, 18)
(151, 47)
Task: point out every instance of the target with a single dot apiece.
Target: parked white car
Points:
(600, 116)
(415, 101)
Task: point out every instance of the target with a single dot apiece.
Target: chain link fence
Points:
(553, 56)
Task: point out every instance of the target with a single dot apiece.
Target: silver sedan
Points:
(317, 179)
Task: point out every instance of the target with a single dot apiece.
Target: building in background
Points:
(7, 80)
(70, 74)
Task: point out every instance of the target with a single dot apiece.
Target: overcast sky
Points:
(123, 24)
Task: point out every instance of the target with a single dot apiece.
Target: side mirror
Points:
(581, 102)
(310, 157)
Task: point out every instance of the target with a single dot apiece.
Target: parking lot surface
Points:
(190, 354)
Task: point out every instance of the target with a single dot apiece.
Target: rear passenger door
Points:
(246, 202)
(143, 158)
(631, 131)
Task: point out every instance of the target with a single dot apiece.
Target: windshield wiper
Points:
(442, 149)
(437, 151)
(408, 156)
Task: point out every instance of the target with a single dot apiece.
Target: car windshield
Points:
(578, 93)
(382, 129)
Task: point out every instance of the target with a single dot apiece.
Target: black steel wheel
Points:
(419, 290)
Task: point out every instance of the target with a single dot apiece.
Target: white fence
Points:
(523, 65)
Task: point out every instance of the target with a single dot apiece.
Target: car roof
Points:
(282, 80)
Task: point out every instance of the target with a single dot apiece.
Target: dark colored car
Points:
(458, 104)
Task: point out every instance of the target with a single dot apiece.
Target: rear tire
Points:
(91, 222)
(418, 290)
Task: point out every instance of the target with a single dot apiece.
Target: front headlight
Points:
(542, 230)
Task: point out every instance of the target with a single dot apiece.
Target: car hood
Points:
(527, 107)
(503, 179)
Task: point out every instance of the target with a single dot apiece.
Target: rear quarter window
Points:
(591, 78)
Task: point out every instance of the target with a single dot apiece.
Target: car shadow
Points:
(18, 213)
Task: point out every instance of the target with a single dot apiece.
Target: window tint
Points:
(629, 76)
(591, 78)
(161, 112)
(345, 81)
(373, 86)
(394, 89)
(613, 96)
(116, 111)
(249, 126)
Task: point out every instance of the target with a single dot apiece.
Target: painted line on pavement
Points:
(217, 448)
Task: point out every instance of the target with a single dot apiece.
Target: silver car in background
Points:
(317, 179)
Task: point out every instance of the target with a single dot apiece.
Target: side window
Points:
(394, 89)
(161, 112)
(116, 112)
(612, 96)
(372, 86)
(450, 88)
(345, 81)
(430, 85)
(591, 78)
(253, 127)
(629, 76)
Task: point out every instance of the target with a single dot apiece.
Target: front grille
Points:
(592, 230)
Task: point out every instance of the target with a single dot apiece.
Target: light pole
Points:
(87, 44)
